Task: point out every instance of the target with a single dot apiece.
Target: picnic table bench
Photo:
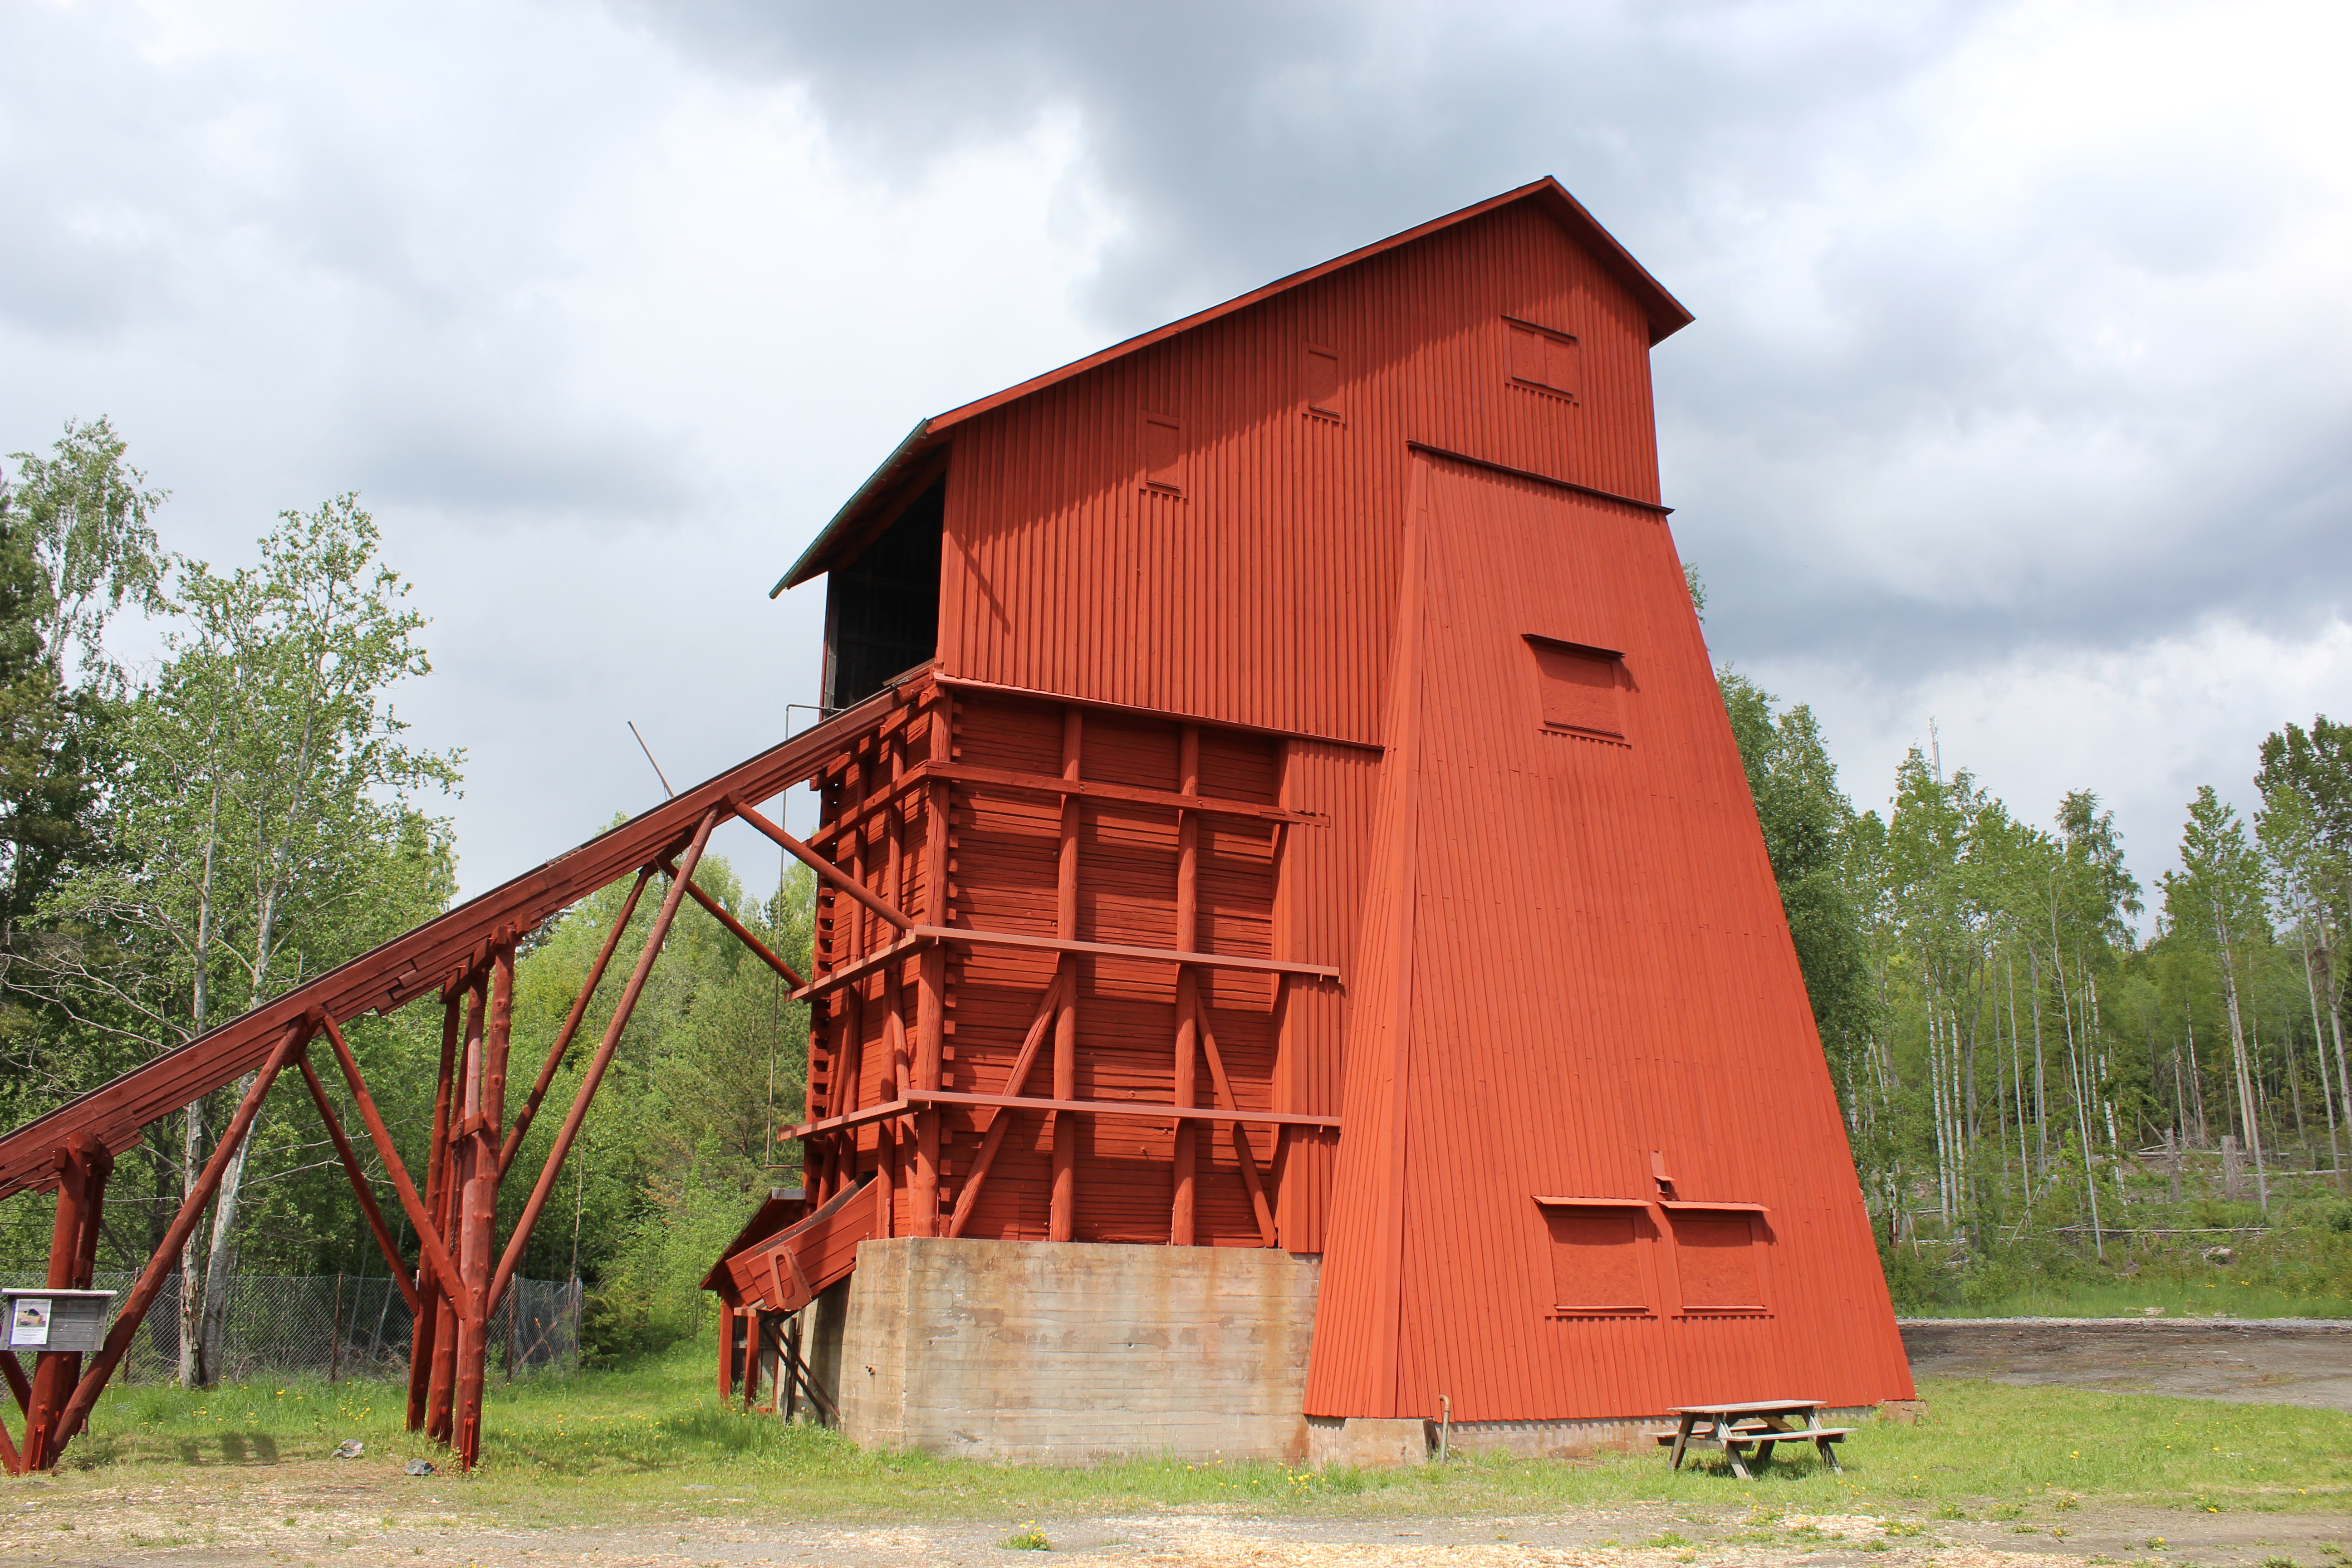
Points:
(1756, 1424)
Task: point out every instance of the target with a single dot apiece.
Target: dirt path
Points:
(328, 1514)
(2271, 1361)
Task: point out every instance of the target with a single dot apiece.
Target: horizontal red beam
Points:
(918, 936)
(415, 963)
(1142, 1109)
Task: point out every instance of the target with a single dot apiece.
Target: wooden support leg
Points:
(83, 1165)
(1061, 1223)
(440, 1416)
(425, 1319)
(476, 1241)
(1682, 1441)
(1186, 1142)
(726, 1352)
(143, 1295)
(594, 1075)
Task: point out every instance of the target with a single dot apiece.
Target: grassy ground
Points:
(561, 1450)
(2130, 1299)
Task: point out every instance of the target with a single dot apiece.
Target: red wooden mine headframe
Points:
(1327, 835)
(1277, 796)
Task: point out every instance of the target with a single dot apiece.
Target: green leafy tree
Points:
(262, 829)
(76, 544)
(2217, 896)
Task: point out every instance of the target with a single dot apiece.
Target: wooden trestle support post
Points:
(83, 1166)
(455, 1283)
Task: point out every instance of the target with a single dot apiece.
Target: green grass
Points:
(2179, 1299)
(654, 1438)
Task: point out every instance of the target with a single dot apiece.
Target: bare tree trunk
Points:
(2319, 1050)
(2082, 1109)
(195, 1369)
(220, 1266)
(2238, 1055)
(2041, 1077)
(2196, 1078)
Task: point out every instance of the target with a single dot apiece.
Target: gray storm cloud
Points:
(2021, 368)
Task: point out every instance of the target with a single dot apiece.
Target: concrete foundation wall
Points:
(1068, 1352)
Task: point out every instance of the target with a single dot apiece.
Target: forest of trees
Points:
(2038, 1060)
(2027, 1072)
(181, 842)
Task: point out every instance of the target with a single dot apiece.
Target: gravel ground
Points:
(339, 1514)
(2269, 1361)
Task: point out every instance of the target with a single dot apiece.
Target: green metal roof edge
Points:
(801, 570)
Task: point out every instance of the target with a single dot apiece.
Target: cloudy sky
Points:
(2020, 399)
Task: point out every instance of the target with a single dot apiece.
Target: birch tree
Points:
(264, 826)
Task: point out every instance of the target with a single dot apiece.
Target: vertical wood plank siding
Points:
(1261, 595)
(1596, 969)
(1564, 956)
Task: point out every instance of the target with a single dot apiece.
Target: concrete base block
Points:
(1368, 1442)
(1062, 1352)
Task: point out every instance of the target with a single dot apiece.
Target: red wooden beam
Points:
(556, 1053)
(821, 866)
(1047, 1011)
(428, 1238)
(1123, 950)
(1183, 1207)
(424, 1331)
(1139, 1110)
(603, 1059)
(359, 1189)
(737, 928)
(166, 1254)
(1266, 1226)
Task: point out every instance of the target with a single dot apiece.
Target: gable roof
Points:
(879, 499)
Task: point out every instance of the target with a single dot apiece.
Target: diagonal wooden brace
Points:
(175, 1235)
(1047, 1011)
(360, 1189)
(823, 866)
(738, 929)
(563, 1046)
(520, 1236)
(428, 1236)
(1266, 1226)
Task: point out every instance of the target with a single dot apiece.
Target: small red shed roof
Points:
(1666, 316)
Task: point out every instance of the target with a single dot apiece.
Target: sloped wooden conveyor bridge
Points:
(885, 845)
(468, 957)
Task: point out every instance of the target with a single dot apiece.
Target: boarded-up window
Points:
(1578, 688)
(1540, 357)
(1319, 370)
(1163, 453)
(1715, 1254)
(1596, 1264)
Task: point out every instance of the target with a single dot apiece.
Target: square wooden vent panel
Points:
(1594, 1265)
(1163, 453)
(1715, 1254)
(1581, 687)
(1544, 358)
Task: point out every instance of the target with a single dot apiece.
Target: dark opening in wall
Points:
(882, 608)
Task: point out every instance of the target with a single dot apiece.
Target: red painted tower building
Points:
(1311, 688)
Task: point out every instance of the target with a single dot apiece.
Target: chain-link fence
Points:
(336, 1326)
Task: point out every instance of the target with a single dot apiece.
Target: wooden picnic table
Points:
(1755, 1423)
